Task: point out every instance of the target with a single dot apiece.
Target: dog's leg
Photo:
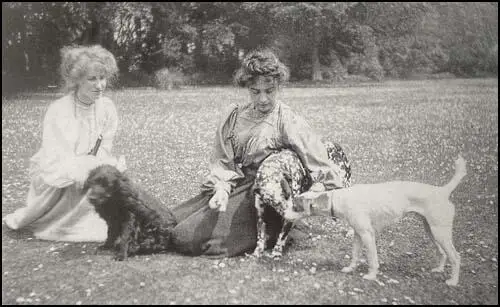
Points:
(261, 228)
(443, 235)
(368, 239)
(124, 240)
(113, 233)
(356, 251)
(277, 252)
(442, 254)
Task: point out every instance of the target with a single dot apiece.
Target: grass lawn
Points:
(396, 130)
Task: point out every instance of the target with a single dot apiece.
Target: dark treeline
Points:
(168, 43)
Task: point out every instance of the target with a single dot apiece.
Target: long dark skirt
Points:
(204, 231)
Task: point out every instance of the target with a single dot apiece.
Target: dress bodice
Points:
(85, 116)
(255, 138)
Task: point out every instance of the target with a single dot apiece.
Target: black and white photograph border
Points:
(186, 99)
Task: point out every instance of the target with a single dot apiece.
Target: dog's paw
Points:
(452, 282)
(276, 255)
(120, 257)
(257, 253)
(105, 248)
(439, 269)
(268, 254)
(370, 276)
(249, 255)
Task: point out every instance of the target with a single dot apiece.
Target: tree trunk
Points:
(199, 57)
(316, 65)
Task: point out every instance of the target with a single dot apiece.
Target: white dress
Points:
(56, 208)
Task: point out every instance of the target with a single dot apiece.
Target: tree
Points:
(215, 51)
(33, 33)
(468, 32)
(311, 25)
(316, 39)
(396, 29)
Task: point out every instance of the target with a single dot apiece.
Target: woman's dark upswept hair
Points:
(261, 62)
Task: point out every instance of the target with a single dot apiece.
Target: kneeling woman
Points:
(245, 136)
(56, 208)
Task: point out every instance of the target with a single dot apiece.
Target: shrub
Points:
(168, 79)
(335, 69)
(205, 78)
(365, 65)
(134, 79)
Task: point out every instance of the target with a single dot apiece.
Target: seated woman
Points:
(245, 136)
(56, 208)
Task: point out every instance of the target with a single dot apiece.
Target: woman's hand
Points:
(82, 169)
(119, 163)
(219, 200)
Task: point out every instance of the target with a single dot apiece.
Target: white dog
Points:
(370, 207)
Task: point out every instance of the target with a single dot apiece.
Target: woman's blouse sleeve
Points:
(109, 126)
(301, 138)
(223, 170)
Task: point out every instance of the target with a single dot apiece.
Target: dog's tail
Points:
(460, 172)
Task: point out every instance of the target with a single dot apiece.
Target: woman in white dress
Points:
(56, 208)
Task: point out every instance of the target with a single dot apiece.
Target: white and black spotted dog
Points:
(280, 177)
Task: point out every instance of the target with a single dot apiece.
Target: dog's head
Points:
(279, 177)
(313, 204)
(276, 192)
(102, 183)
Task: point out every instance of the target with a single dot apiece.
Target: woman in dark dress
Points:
(245, 136)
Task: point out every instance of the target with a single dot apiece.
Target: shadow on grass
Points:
(16, 234)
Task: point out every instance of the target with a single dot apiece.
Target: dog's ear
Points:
(124, 185)
(121, 182)
(285, 186)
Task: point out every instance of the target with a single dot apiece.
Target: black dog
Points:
(137, 222)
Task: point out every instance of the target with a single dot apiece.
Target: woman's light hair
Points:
(78, 60)
(261, 62)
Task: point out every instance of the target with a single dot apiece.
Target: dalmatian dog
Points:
(280, 177)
